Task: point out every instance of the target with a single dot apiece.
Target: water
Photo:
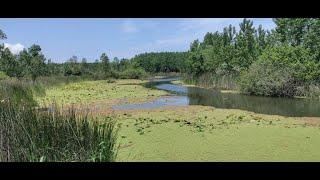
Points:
(161, 102)
(183, 96)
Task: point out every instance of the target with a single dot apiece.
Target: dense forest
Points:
(284, 61)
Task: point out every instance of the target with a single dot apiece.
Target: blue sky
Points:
(118, 37)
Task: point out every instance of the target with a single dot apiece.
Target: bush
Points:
(309, 91)
(279, 71)
(314, 91)
(268, 79)
(3, 75)
(133, 73)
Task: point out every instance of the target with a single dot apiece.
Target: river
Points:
(184, 96)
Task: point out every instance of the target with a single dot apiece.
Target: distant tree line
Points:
(31, 63)
(156, 62)
(284, 61)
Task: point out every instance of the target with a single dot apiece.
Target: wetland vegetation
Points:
(231, 97)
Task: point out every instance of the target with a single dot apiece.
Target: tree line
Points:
(31, 63)
(283, 61)
(156, 62)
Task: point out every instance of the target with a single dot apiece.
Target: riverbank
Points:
(180, 82)
(193, 133)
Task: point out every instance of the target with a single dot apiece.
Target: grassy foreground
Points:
(195, 133)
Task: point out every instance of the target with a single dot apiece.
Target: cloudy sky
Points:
(62, 38)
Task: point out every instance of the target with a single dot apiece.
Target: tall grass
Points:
(19, 92)
(226, 82)
(28, 133)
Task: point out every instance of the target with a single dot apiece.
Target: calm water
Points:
(182, 96)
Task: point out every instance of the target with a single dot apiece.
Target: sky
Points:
(118, 37)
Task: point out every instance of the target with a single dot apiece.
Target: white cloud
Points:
(212, 24)
(170, 41)
(14, 48)
(129, 27)
(187, 30)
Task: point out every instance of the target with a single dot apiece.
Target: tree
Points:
(261, 35)
(116, 63)
(229, 34)
(246, 50)
(207, 40)
(84, 66)
(105, 63)
(292, 30)
(2, 35)
(312, 38)
(194, 46)
(72, 67)
(37, 63)
(10, 65)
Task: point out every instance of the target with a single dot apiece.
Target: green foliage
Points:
(18, 92)
(35, 135)
(293, 46)
(133, 73)
(160, 62)
(279, 71)
(269, 79)
(3, 75)
(2, 35)
(292, 30)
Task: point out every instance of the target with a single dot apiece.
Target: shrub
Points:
(268, 79)
(133, 73)
(3, 75)
(279, 71)
(314, 91)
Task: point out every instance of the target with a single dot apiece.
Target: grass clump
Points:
(27, 134)
(20, 92)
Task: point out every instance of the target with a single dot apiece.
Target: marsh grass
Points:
(27, 134)
(31, 133)
(226, 82)
(19, 92)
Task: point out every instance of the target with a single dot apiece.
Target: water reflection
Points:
(199, 96)
(161, 102)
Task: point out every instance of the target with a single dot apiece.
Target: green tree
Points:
(292, 30)
(10, 65)
(2, 35)
(194, 46)
(261, 36)
(105, 63)
(37, 66)
(312, 38)
(246, 49)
